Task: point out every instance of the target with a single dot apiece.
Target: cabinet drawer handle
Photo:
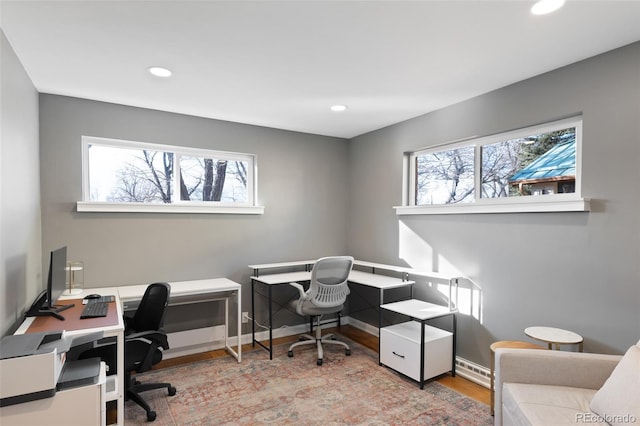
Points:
(397, 354)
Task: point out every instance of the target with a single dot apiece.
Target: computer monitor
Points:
(57, 280)
(56, 284)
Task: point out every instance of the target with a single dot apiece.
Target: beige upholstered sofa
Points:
(534, 387)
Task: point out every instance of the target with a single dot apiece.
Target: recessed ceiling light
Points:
(546, 6)
(338, 108)
(160, 71)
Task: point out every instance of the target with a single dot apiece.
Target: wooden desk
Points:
(112, 326)
(379, 281)
(72, 320)
(128, 297)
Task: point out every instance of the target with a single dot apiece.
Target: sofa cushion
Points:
(528, 404)
(618, 400)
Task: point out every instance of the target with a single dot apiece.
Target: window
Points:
(538, 164)
(531, 169)
(444, 177)
(133, 176)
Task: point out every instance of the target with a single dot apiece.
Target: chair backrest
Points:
(329, 281)
(150, 312)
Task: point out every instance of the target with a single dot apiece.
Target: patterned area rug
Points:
(345, 390)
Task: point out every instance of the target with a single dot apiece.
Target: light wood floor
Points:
(457, 383)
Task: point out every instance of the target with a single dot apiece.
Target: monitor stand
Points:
(50, 312)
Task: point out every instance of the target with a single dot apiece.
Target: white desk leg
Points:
(237, 353)
(226, 324)
(120, 376)
(239, 323)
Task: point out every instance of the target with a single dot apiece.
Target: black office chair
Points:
(143, 340)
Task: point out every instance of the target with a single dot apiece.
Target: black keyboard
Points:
(95, 310)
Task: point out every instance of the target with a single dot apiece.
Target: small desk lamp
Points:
(75, 277)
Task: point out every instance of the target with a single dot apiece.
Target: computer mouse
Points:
(92, 296)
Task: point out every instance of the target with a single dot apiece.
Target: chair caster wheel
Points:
(151, 416)
(172, 390)
(319, 362)
(290, 354)
(348, 352)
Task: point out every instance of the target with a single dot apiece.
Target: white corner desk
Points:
(369, 279)
(127, 298)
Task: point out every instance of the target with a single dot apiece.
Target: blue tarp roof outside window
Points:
(557, 162)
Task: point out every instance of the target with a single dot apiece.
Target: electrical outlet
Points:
(245, 317)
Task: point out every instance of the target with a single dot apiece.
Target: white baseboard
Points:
(194, 341)
(362, 326)
(199, 340)
(206, 339)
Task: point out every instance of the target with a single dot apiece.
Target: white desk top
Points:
(393, 268)
(284, 278)
(418, 309)
(377, 280)
(358, 277)
(435, 276)
(283, 264)
(182, 288)
(178, 288)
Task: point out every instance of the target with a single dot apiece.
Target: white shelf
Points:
(418, 309)
(111, 388)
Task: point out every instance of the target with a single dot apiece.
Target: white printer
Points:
(33, 365)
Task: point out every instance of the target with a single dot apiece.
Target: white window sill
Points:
(523, 205)
(95, 207)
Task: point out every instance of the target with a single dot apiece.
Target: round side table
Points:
(513, 344)
(555, 336)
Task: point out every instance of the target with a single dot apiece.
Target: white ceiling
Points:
(282, 64)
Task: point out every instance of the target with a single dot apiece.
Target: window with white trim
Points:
(123, 175)
(527, 168)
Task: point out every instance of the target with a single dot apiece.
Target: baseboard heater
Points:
(473, 372)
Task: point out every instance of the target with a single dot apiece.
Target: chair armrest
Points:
(155, 339)
(158, 337)
(300, 289)
(546, 367)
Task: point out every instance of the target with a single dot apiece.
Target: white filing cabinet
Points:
(401, 346)
(400, 349)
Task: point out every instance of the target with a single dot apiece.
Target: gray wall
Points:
(302, 184)
(20, 230)
(330, 196)
(577, 271)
